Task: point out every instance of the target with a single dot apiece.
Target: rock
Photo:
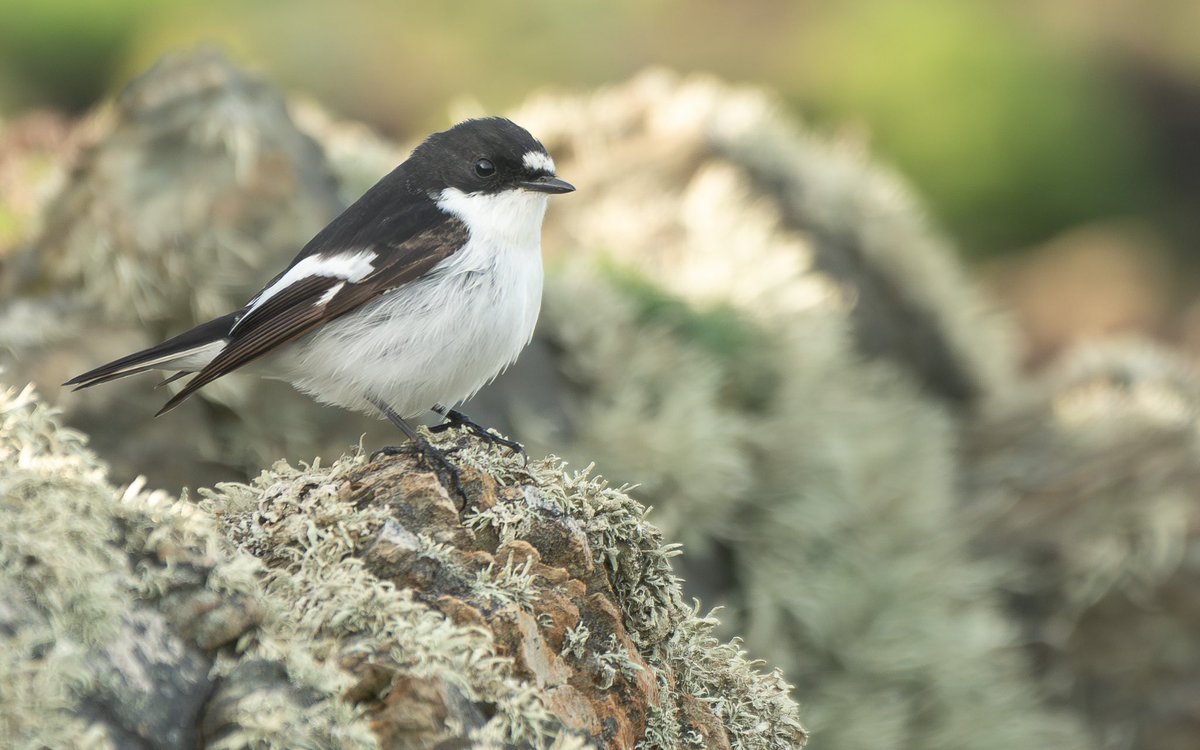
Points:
(197, 177)
(128, 621)
(1088, 484)
(353, 606)
(170, 205)
(151, 685)
(422, 583)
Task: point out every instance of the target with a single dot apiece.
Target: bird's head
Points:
(487, 156)
(490, 172)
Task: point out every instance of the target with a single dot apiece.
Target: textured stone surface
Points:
(553, 576)
(127, 622)
(354, 606)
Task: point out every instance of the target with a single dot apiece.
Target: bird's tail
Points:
(187, 352)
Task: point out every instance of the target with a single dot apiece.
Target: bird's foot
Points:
(433, 458)
(390, 450)
(458, 420)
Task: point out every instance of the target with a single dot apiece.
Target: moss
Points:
(735, 340)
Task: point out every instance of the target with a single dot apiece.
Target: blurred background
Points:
(1058, 141)
(890, 309)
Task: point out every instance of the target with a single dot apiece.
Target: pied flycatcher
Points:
(415, 297)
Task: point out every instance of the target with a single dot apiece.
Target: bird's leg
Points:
(456, 419)
(426, 453)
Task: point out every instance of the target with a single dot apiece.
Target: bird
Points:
(412, 299)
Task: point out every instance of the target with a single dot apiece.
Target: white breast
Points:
(440, 339)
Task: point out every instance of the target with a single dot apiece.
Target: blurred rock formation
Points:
(195, 185)
(352, 607)
(190, 190)
(763, 332)
(1089, 480)
(709, 191)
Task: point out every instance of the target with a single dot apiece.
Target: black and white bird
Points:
(411, 300)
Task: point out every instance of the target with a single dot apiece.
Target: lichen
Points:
(1085, 483)
(320, 538)
(123, 605)
(273, 601)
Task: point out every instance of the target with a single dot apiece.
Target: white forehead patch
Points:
(538, 161)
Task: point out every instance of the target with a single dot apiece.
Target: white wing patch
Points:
(538, 161)
(333, 290)
(350, 266)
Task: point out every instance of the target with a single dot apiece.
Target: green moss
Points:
(719, 329)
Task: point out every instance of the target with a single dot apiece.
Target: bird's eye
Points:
(485, 168)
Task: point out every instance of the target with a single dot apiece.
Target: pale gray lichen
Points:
(576, 641)
(509, 583)
(311, 539)
(121, 608)
(616, 660)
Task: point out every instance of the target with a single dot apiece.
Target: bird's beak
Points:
(548, 184)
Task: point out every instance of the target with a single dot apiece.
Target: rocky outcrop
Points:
(169, 205)
(353, 606)
(126, 621)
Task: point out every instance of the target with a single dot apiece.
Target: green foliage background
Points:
(1013, 118)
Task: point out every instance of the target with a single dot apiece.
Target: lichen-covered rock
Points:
(128, 622)
(354, 606)
(1089, 480)
(548, 607)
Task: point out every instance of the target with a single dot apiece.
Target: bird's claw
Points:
(390, 450)
(433, 458)
(455, 419)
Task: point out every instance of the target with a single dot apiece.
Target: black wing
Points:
(421, 236)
